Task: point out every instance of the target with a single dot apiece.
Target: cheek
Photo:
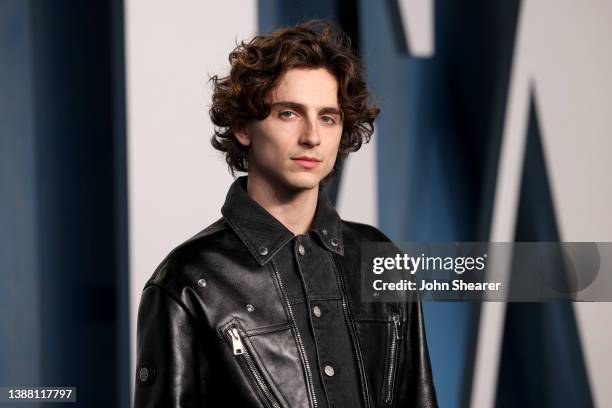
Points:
(263, 145)
(275, 140)
(334, 143)
(266, 154)
(331, 151)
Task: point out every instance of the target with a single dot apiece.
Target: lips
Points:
(307, 162)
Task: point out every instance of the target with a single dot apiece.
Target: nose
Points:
(310, 133)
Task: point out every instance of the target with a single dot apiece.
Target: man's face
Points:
(296, 145)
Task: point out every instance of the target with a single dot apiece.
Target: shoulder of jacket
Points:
(363, 232)
(176, 270)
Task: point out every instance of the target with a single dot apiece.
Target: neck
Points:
(295, 209)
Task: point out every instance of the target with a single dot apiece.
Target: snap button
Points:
(202, 283)
(143, 374)
(250, 308)
(324, 231)
(334, 242)
(146, 374)
(263, 251)
(301, 249)
(317, 311)
(329, 371)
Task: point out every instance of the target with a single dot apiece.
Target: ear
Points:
(242, 134)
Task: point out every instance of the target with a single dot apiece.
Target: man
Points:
(262, 308)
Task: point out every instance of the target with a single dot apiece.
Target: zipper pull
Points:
(236, 341)
(396, 324)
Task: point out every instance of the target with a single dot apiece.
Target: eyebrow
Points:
(300, 107)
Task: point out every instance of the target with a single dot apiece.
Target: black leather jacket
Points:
(198, 346)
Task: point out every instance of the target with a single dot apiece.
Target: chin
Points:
(304, 181)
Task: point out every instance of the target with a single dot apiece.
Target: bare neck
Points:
(294, 209)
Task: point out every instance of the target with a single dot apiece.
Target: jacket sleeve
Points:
(171, 368)
(416, 387)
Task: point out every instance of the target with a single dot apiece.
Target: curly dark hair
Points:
(257, 66)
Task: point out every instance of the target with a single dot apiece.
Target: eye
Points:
(286, 114)
(328, 120)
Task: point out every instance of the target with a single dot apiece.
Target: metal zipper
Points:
(392, 359)
(351, 330)
(240, 350)
(309, 382)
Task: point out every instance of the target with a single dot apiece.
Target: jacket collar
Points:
(264, 235)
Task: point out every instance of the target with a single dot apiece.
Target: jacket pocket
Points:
(245, 358)
(393, 351)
